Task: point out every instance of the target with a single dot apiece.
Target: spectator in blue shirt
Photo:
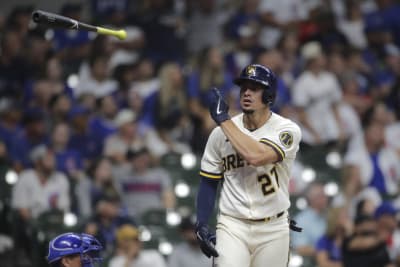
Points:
(82, 138)
(313, 221)
(68, 160)
(329, 245)
(10, 115)
(102, 124)
(34, 134)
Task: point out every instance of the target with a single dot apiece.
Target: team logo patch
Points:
(286, 138)
(251, 70)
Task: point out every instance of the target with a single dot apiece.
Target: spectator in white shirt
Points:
(279, 16)
(41, 188)
(316, 94)
(37, 191)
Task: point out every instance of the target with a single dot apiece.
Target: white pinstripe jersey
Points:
(247, 191)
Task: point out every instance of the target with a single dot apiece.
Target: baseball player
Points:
(250, 155)
(74, 250)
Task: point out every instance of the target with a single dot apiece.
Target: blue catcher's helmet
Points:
(84, 245)
(263, 76)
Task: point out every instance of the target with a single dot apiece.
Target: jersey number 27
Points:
(267, 186)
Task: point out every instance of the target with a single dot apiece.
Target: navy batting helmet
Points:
(261, 75)
(66, 244)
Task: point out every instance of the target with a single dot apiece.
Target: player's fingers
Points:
(216, 92)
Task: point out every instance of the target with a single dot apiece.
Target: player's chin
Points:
(247, 110)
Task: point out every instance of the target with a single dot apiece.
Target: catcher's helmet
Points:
(66, 244)
(262, 75)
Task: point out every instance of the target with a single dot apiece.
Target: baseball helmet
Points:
(263, 76)
(66, 244)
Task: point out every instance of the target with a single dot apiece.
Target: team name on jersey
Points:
(233, 161)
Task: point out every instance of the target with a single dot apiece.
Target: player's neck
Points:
(255, 120)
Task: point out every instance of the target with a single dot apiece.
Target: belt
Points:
(267, 219)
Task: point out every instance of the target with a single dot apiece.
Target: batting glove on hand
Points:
(218, 107)
(206, 240)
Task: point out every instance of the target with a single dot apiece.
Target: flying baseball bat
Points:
(58, 21)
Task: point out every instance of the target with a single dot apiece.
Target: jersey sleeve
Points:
(284, 141)
(211, 163)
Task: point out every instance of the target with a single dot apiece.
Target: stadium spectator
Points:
(172, 125)
(313, 220)
(38, 190)
(387, 227)
(41, 188)
(143, 92)
(288, 45)
(32, 135)
(102, 181)
(329, 246)
(357, 198)
(378, 164)
(103, 224)
(316, 94)
(143, 186)
(365, 248)
(10, 116)
(71, 47)
(101, 123)
(82, 139)
(205, 26)
(117, 144)
(163, 27)
(59, 108)
(243, 30)
(188, 252)
(18, 19)
(279, 16)
(68, 160)
(95, 77)
(209, 71)
(352, 25)
(13, 66)
(129, 252)
(327, 33)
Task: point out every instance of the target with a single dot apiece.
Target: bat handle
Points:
(120, 34)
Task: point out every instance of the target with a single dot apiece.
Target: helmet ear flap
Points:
(268, 97)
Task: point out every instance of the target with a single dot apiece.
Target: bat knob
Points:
(36, 15)
(121, 34)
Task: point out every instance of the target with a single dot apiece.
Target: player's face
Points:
(71, 261)
(251, 97)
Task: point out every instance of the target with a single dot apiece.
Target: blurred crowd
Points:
(87, 120)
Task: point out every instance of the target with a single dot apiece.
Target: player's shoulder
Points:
(216, 134)
(286, 123)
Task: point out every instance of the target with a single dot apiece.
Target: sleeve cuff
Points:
(210, 175)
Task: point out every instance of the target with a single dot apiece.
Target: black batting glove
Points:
(206, 240)
(218, 107)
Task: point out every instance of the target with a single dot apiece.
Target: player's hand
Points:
(206, 240)
(218, 107)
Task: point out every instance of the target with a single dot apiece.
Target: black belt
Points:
(267, 219)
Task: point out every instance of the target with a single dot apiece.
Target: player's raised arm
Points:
(257, 93)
